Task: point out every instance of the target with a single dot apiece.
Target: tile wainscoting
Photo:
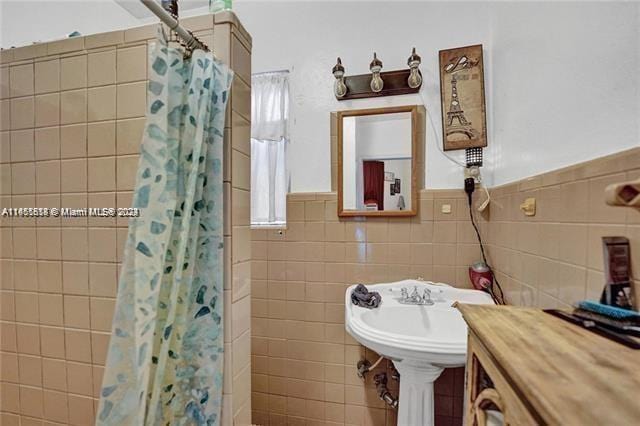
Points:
(304, 363)
(554, 258)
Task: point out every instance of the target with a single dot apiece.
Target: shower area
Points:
(72, 121)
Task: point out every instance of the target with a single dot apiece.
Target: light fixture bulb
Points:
(415, 79)
(339, 87)
(376, 80)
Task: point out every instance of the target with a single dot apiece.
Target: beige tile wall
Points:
(554, 258)
(304, 362)
(72, 115)
(237, 386)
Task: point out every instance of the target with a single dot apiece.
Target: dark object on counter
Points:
(364, 298)
(621, 320)
(617, 270)
(629, 342)
(624, 327)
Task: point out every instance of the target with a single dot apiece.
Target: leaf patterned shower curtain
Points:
(165, 358)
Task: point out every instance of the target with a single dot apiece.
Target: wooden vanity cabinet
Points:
(487, 389)
(535, 369)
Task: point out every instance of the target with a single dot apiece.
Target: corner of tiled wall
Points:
(233, 46)
(71, 120)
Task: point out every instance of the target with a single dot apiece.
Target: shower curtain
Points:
(165, 358)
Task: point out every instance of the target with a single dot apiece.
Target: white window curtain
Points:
(269, 138)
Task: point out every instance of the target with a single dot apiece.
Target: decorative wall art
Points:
(392, 189)
(462, 96)
(389, 176)
(397, 183)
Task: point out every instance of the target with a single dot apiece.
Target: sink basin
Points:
(421, 340)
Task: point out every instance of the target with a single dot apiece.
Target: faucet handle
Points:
(404, 293)
(427, 294)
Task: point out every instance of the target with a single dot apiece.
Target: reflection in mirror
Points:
(377, 163)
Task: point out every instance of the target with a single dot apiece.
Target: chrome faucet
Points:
(404, 294)
(426, 296)
(415, 298)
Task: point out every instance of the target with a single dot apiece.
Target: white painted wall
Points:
(25, 22)
(387, 135)
(401, 170)
(561, 79)
(306, 37)
(566, 84)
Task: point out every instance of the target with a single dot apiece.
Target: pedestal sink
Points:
(421, 340)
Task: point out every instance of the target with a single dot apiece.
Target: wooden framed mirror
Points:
(377, 162)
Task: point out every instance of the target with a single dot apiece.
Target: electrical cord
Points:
(500, 300)
(469, 190)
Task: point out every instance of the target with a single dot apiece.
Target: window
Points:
(269, 138)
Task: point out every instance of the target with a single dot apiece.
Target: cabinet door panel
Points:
(489, 392)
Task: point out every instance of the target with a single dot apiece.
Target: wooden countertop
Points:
(568, 375)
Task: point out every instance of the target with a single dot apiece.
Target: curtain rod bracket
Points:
(170, 19)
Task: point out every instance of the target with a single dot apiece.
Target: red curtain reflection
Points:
(373, 174)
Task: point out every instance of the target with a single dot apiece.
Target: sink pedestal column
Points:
(415, 406)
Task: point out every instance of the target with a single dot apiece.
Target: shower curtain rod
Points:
(189, 39)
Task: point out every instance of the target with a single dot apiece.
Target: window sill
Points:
(282, 226)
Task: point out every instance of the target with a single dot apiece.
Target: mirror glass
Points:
(377, 163)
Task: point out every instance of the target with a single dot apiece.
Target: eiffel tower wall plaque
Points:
(462, 96)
